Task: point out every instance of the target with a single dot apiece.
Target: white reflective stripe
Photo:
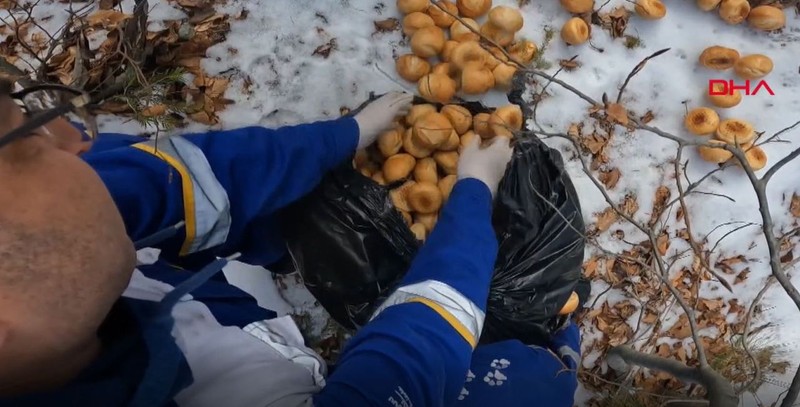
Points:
(208, 214)
(282, 335)
(445, 298)
(566, 351)
(230, 367)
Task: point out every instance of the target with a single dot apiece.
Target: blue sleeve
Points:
(417, 349)
(510, 373)
(220, 183)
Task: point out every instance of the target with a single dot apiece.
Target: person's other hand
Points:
(379, 115)
(485, 164)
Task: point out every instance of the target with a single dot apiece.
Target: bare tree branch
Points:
(756, 379)
(720, 391)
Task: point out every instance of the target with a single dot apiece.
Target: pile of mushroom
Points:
(748, 67)
(446, 54)
(765, 18)
(705, 122)
(418, 159)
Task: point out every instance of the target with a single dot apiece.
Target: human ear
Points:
(66, 137)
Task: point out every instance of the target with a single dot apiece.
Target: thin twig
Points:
(687, 221)
(731, 232)
(541, 94)
(638, 68)
(776, 135)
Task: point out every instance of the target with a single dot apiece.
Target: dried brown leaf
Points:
(650, 317)
(569, 65)
(324, 50)
(648, 117)
(62, 65)
(709, 305)
(590, 267)
(595, 143)
(680, 352)
(734, 307)
(106, 18)
(742, 276)
(681, 328)
(679, 214)
(629, 206)
(619, 21)
(620, 12)
(204, 118)
(795, 206)
(618, 113)
(602, 325)
(625, 309)
(605, 219)
(574, 130)
(727, 264)
(214, 87)
(211, 22)
(663, 243)
(192, 64)
(388, 25)
(630, 268)
(619, 334)
(662, 196)
(610, 178)
(155, 110)
(787, 257)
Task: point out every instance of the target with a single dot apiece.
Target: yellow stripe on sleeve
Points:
(188, 193)
(453, 321)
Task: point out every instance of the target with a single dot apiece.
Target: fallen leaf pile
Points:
(151, 62)
(640, 314)
(641, 299)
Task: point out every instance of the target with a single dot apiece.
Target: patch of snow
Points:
(289, 84)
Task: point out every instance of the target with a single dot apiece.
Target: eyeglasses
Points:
(39, 99)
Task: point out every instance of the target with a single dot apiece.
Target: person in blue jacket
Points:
(83, 324)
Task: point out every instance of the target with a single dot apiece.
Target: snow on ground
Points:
(291, 85)
(274, 52)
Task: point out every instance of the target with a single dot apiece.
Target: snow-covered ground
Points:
(277, 41)
(275, 48)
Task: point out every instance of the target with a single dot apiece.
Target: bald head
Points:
(66, 257)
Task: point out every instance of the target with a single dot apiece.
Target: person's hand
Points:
(379, 115)
(485, 164)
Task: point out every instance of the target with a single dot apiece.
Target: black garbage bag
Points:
(539, 226)
(352, 247)
(349, 243)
